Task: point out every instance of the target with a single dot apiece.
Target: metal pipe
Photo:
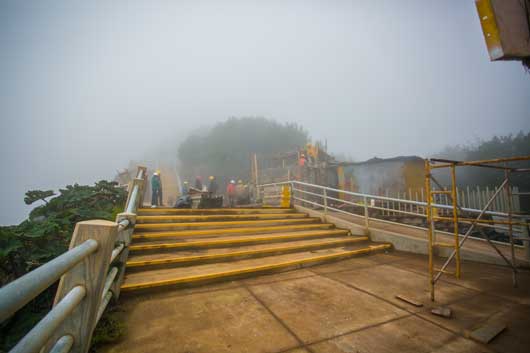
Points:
(510, 226)
(116, 252)
(470, 229)
(417, 203)
(395, 210)
(408, 225)
(63, 344)
(361, 205)
(366, 213)
(131, 207)
(481, 162)
(430, 225)
(123, 224)
(41, 333)
(109, 280)
(18, 293)
(454, 201)
(325, 197)
(104, 303)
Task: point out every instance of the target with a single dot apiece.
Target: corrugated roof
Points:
(384, 160)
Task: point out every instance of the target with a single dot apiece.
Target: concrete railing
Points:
(90, 274)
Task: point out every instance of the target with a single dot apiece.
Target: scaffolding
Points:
(457, 211)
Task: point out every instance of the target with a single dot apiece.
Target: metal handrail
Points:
(131, 207)
(63, 344)
(43, 331)
(365, 197)
(21, 291)
(386, 198)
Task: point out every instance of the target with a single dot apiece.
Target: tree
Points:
(496, 147)
(35, 195)
(225, 149)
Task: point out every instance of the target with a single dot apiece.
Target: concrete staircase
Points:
(182, 247)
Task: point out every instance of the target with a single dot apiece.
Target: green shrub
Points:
(45, 235)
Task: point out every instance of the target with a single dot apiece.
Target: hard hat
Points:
(240, 181)
(232, 181)
(185, 182)
(155, 173)
(211, 177)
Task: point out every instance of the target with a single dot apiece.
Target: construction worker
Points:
(213, 185)
(240, 192)
(301, 166)
(302, 160)
(231, 192)
(156, 190)
(198, 182)
(185, 188)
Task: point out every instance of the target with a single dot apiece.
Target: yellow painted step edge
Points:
(185, 233)
(175, 260)
(220, 216)
(222, 224)
(214, 210)
(197, 244)
(211, 276)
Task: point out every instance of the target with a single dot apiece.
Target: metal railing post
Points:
(91, 274)
(510, 225)
(366, 213)
(526, 234)
(325, 192)
(430, 226)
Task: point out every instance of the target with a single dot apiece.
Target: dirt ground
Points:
(345, 306)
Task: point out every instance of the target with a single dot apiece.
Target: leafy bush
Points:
(45, 235)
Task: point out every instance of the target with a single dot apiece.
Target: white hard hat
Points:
(232, 181)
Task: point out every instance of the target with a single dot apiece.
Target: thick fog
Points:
(86, 86)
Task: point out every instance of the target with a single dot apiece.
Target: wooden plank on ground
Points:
(487, 332)
(409, 301)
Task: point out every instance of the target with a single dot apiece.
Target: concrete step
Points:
(225, 224)
(138, 237)
(206, 211)
(143, 261)
(229, 241)
(217, 217)
(201, 274)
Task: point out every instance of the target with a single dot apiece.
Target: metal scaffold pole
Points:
(459, 240)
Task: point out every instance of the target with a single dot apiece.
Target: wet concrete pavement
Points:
(345, 306)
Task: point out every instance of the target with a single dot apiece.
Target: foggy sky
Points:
(86, 86)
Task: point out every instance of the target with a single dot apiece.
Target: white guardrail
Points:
(320, 198)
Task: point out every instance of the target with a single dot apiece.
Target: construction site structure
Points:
(434, 188)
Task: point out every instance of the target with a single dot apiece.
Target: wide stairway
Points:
(182, 247)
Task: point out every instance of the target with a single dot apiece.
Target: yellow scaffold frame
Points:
(432, 214)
